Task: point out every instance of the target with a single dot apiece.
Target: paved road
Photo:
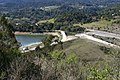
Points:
(63, 37)
(86, 36)
(67, 38)
(104, 34)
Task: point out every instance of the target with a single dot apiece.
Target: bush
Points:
(72, 58)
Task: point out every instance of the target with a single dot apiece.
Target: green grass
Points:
(52, 7)
(44, 21)
(101, 23)
(18, 19)
(24, 18)
(56, 54)
(49, 8)
(72, 58)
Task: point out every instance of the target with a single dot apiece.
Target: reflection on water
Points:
(29, 39)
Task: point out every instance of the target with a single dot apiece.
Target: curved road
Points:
(103, 34)
(86, 35)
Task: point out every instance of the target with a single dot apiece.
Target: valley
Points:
(59, 39)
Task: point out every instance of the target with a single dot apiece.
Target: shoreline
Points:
(27, 33)
(30, 33)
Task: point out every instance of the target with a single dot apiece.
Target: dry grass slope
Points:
(101, 23)
(49, 21)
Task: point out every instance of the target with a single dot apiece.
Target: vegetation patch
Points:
(46, 21)
(72, 58)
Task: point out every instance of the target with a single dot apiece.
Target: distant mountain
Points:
(10, 1)
(19, 1)
(68, 1)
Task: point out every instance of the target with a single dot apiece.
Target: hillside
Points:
(92, 55)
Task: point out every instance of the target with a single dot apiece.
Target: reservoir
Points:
(29, 39)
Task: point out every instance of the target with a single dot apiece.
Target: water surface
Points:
(29, 39)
